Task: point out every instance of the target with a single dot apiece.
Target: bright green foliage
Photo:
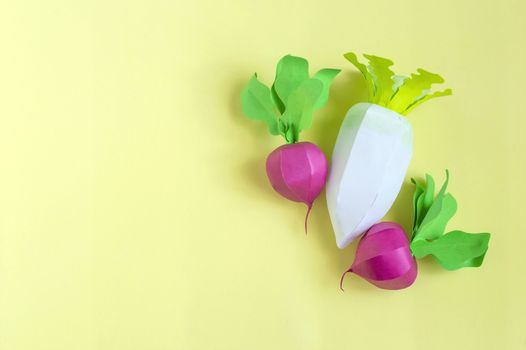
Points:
(300, 105)
(455, 249)
(290, 73)
(422, 200)
(287, 107)
(399, 93)
(452, 250)
(258, 104)
(435, 212)
(326, 76)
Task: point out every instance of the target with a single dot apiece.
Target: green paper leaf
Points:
(291, 72)
(433, 215)
(382, 78)
(422, 200)
(277, 101)
(300, 106)
(287, 107)
(412, 89)
(257, 104)
(427, 197)
(417, 203)
(435, 220)
(455, 249)
(418, 102)
(326, 76)
(351, 57)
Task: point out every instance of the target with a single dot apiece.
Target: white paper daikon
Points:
(374, 147)
(369, 163)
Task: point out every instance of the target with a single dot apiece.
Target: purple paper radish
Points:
(383, 257)
(296, 170)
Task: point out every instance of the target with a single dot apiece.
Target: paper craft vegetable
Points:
(296, 170)
(374, 147)
(384, 256)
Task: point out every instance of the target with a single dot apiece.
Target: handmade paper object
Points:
(374, 147)
(296, 170)
(386, 258)
(383, 257)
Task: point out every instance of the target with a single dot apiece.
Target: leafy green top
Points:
(288, 105)
(453, 250)
(396, 92)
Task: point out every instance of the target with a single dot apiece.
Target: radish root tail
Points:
(341, 280)
(307, 216)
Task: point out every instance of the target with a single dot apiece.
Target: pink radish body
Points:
(298, 172)
(383, 257)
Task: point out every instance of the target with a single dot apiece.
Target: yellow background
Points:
(134, 208)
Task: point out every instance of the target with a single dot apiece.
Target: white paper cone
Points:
(369, 163)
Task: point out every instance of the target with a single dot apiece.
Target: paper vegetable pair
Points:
(369, 163)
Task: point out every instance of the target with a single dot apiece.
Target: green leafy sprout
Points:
(396, 92)
(287, 106)
(452, 250)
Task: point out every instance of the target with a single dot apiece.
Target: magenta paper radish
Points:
(386, 258)
(296, 170)
(383, 257)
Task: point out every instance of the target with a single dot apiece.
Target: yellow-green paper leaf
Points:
(412, 89)
(351, 57)
(382, 77)
(396, 92)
